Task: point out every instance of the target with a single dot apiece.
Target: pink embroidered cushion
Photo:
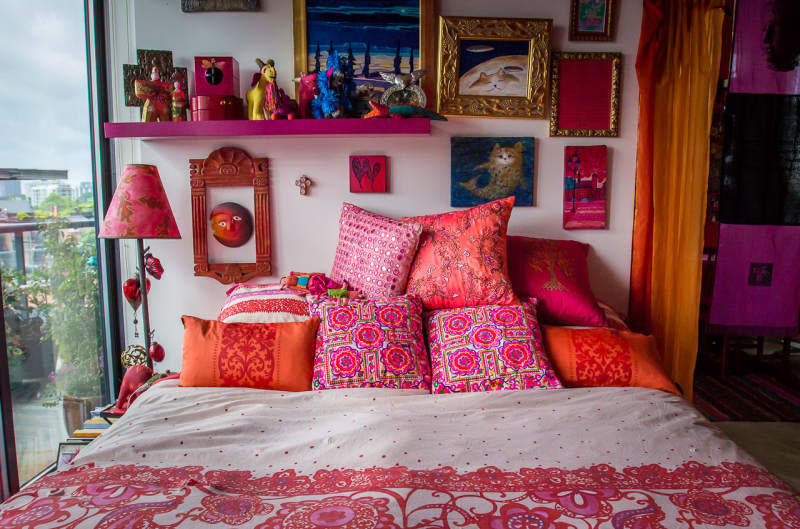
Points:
(461, 260)
(488, 348)
(369, 343)
(374, 252)
(268, 303)
(556, 274)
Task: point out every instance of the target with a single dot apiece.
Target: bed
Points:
(378, 458)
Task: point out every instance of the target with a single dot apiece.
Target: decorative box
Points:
(216, 108)
(216, 76)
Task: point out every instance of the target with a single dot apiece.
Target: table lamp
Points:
(140, 210)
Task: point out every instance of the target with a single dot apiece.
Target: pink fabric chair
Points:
(756, 284)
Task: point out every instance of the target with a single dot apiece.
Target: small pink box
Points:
(216, 76)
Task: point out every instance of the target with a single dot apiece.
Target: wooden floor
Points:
(776, 445)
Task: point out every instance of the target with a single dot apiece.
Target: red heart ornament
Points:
(133, 293)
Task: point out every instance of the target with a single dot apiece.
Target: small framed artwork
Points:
(585, 179)
(592, 19)
(368, 174)
(67, 451)
(584, 96)
(231, 223)
(493, 67)
(487, 169)
(376, 36)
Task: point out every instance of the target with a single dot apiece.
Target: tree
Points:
(397, 59)
(317, 55)
(411, 61)
(365, 69)
(61, 202)
(351, 61)
(549, 256)
(569, 185)
(74, 316)
(331, 53)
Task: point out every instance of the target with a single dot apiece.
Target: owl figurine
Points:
(404, 89)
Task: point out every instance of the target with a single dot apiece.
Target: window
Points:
(51, 278)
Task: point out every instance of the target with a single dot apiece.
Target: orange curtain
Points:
(677, 67)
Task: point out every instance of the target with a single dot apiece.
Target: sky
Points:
(44, 122)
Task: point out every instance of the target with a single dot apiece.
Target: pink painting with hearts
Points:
(368, 174)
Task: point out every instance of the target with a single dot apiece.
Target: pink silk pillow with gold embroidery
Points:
(487, 348)
(556, 274)
(461, 260)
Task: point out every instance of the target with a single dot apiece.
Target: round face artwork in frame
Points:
(231, 224)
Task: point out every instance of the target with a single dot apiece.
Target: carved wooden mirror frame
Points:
(230, 167)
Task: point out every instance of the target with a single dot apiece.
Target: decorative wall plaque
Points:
(146, 59)
(230, 167)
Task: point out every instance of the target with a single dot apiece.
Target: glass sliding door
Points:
(48, 260)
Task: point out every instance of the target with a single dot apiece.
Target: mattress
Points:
(378, 458)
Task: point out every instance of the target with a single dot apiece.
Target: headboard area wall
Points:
(304, 229)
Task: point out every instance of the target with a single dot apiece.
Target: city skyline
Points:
(45, 129)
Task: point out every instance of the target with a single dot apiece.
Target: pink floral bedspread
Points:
(385, 459)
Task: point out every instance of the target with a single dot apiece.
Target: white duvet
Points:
(600, 457)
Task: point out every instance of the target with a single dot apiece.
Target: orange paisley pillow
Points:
(250, 355)
(461, 260)
(605, 357)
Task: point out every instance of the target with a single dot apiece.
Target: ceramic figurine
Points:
(335, 89)
(178, 107)
(306, 93)
(401, 111)
(256, 96)
(404, 90)
(277, 104)
(155, 94)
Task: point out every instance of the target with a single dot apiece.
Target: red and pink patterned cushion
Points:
(488, 348)
(263, 303)
(554, 272)
(374, 253)
(461, 261)
(369, 343)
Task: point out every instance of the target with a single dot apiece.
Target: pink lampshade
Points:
(139, 208)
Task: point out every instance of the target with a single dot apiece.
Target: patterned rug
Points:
(753, 397)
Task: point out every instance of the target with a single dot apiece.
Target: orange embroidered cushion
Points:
(605, 357)
(461, 260)
(252, 355)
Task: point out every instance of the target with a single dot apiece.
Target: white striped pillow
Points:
(252, 303)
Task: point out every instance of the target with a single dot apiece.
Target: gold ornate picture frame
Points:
(425, 53)
(493, 67)
(585, 94)
(592, 20)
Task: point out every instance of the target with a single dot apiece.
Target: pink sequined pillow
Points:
(369, 343)
(488, 348)
(374, 253)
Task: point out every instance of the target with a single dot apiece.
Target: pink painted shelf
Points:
(190, 129)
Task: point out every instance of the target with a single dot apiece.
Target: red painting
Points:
(368, 174)
(585, 180)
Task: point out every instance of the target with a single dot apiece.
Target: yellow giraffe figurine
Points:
(257, 95)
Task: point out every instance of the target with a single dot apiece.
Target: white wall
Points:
(304, 229)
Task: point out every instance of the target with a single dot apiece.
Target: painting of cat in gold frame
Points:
(493, 67)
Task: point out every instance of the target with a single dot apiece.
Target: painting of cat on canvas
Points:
(493, 68)
(487, 169)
